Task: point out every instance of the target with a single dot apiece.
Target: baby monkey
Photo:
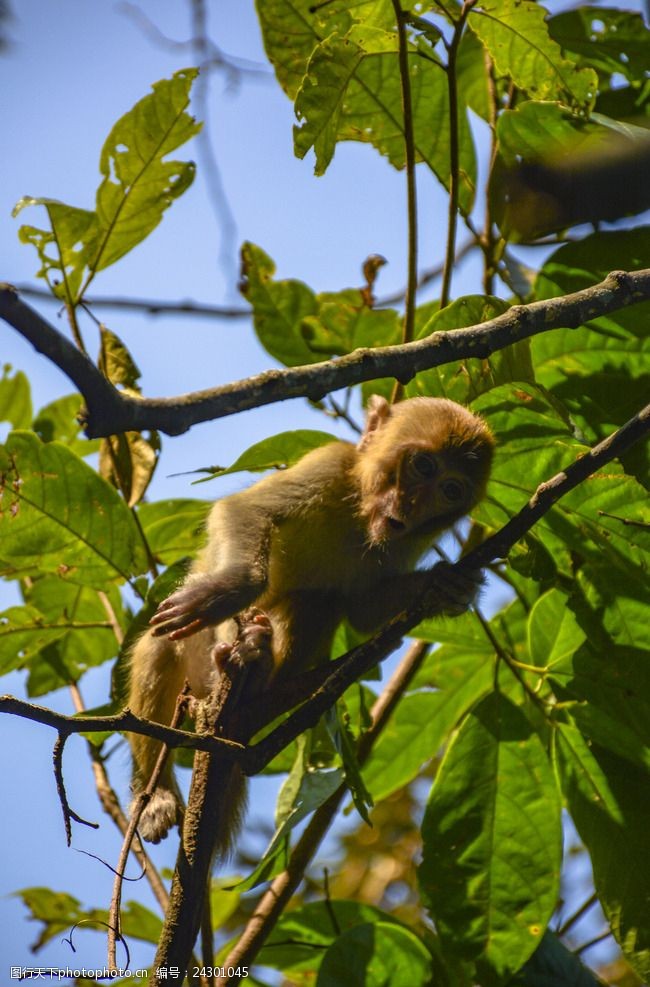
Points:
(337, 535)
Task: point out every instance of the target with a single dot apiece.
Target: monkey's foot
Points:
(161, 813)
(253, 642)
(452, 591)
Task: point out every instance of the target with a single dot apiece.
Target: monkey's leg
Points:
(245, 667)
(157, 677)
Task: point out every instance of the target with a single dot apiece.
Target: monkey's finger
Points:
(167, 606)
(181, 626)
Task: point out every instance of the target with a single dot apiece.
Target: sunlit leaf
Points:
(137, 186)
(492, 841)
(59, 517)
(516, 34)
(609, 802)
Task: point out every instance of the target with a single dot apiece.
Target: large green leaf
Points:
(352, 91)
(535, 186)
(609, 802)
(137, 186)
(492, 842)
(517, 37)
(291, 29)
(60, 517)
(615, 42)
(422, 723)
(298, 941)
(376, 954)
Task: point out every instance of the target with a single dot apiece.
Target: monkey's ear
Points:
(378, 411)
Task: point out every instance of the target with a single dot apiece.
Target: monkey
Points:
(337, 535)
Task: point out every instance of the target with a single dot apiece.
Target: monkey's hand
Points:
(202, 601)
(451, 591)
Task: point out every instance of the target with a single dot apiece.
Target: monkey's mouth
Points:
(395, 525)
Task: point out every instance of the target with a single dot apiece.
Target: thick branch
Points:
(109, 411)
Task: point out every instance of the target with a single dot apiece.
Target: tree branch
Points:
(110, 411)
(126, 722)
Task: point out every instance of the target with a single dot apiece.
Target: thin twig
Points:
(454, 151)
(114, 916)
(411, 190)
(126, 722)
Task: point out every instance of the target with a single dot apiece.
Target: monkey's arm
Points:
(442, 589)
(229, 576)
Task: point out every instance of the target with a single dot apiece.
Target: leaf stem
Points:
(454, 151)
(411, 189)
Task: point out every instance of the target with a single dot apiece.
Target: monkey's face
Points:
(422, 491)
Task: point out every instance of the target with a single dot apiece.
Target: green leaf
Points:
(553, 965)
(297, 326)
(23, 634)
(492, 841)
(534, 443)
(174, 528)
(376, 954)
(584, 172)
(60, 517)
(600, 371)
(301, 936)
(517, 37)
(137, 186)
(422, 721)
(277, 452)
(291, 29)
(58, 422)
(278, 308)
(116, 362)
(83, 632)
(464, 380)
(338, 724)
(15, 399)
(302, 793)
(352, 91)
(59, 912)
(614, 42)
(609, 802)
(553, 631)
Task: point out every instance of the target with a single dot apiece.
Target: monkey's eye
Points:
(453, 490)
(424, 465)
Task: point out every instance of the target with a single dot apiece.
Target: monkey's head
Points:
(422, 465)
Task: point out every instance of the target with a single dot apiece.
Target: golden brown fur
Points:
(337, 535)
